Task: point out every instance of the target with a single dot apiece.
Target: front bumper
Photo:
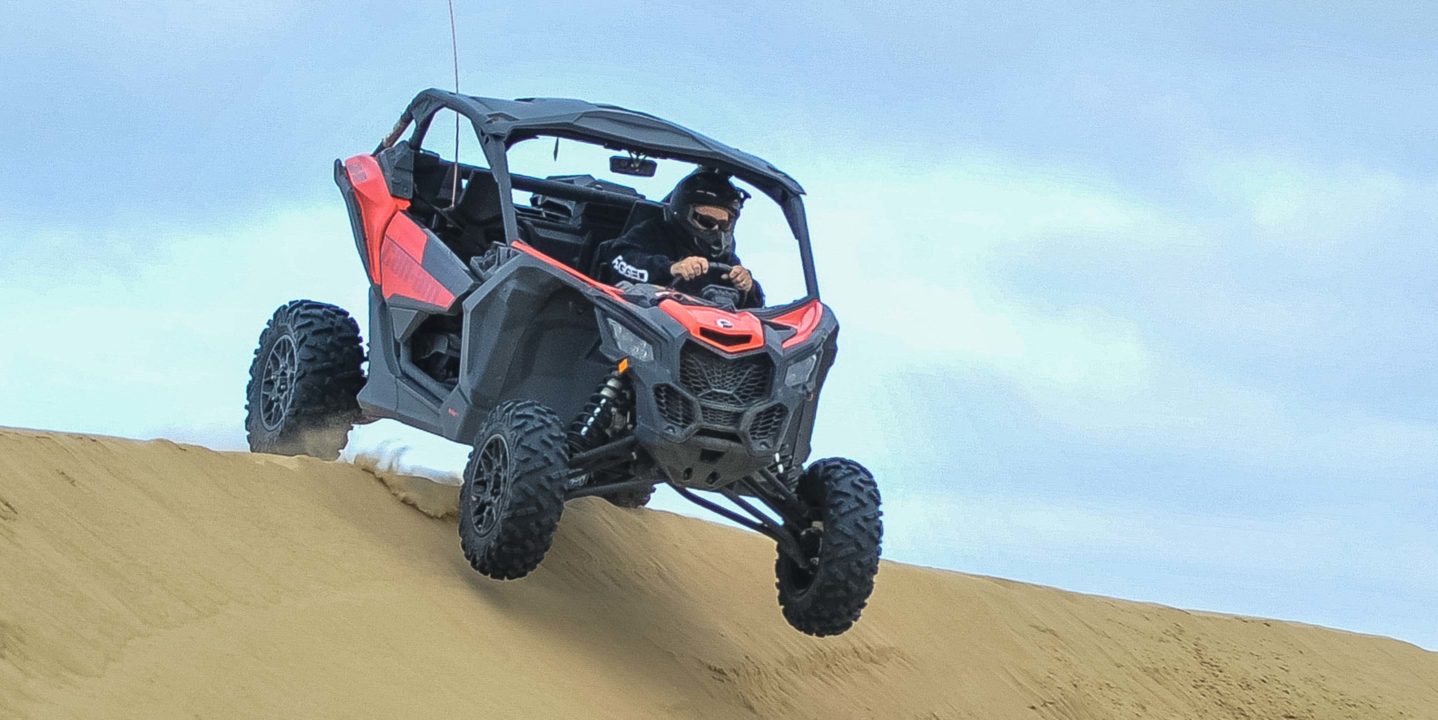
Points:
(709, 416)
(712, 419)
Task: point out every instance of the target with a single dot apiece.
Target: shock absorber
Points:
(595, 422)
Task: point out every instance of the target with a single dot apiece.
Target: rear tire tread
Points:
(329, 375)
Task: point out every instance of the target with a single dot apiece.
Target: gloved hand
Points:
(742, 279)
(689, 268)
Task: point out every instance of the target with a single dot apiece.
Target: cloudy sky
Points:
(1136, 300)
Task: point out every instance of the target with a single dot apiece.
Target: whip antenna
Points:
(454, 53)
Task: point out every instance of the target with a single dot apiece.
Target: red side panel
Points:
(377, 206)
(401, 265)
(804, 319)
(408, 235)
(729, 332)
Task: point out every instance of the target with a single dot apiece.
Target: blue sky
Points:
(1137, 300)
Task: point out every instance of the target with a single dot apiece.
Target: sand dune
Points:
(154, 580)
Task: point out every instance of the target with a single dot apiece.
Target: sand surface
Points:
(155, 580)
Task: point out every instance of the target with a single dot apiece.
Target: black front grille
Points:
(768, 423)
(732, 383)
(720, 416)
(675, 408)
(725, 390)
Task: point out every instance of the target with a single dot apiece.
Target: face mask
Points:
(711, 236)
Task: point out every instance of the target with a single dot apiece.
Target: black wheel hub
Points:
(811, 541)
(277, 385)
(491, 480)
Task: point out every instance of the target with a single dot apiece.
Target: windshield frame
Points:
(779, 188)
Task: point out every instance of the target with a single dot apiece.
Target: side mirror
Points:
(631, 165)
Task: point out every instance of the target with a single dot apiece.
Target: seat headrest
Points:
(480, 201)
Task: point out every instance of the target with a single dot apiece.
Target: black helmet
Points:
(709, 237)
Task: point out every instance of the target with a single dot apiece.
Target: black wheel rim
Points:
(277, 388)
(491, 479)
(811, 542)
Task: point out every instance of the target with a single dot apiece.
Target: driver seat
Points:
(643, 210)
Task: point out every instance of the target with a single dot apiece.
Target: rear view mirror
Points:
(632, 165)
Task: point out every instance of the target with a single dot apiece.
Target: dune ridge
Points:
(157, 580)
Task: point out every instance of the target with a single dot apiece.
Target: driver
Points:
(697, 229)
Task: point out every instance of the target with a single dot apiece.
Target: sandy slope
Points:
(153, 580)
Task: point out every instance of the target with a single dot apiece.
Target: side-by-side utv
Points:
(487, 327)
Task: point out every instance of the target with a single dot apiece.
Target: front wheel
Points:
(825, 595)
(513, 492)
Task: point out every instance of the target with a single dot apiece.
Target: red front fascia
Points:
(730, 332)
(804, 319)
(377, 207)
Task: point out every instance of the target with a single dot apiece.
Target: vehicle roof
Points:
(611, 125)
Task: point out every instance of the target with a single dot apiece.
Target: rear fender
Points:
(413, 268)
(418, 271)
(356, 215)
(372, 207)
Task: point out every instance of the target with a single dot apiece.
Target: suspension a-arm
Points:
(762, 524)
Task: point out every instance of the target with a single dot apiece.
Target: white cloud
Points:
(1319, 209)
(908, 258)
(150, 32)
(912, 263)
(162, 346)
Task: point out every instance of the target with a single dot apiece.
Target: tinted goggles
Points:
(709, 217)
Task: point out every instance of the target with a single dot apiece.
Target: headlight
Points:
(630, 344)
(801, 372)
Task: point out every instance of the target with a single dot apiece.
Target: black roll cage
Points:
(500, 124)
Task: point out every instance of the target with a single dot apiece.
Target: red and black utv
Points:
(487, 328)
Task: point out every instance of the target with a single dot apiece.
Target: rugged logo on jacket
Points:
(629, 271)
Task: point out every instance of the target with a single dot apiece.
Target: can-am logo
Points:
(721, 322)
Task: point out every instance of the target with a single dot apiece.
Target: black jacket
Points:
(645, 252)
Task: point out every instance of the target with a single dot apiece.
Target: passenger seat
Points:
(478, 215)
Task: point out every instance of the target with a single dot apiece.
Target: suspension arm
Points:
(746, 507)
(609, 489)
(778, 497)
(788, 544)
(603, 452)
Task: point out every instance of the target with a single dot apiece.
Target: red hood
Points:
(731, 332)
(736, 332)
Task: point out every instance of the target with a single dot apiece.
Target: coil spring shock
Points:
(596, 421)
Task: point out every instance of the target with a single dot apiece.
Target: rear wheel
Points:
(826, 595)
(304, 379)
(513, 492)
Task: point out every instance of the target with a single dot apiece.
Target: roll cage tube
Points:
(494, 152)
(495, 148)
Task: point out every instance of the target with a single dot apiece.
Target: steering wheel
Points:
(715, 268)
(721, 296)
